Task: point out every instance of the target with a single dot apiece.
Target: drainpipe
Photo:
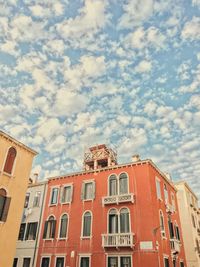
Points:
(39, 223)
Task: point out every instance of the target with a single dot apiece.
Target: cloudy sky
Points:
(126, 73)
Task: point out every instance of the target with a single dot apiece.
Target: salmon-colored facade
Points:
(125, 220)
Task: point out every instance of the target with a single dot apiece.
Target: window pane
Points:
(60, 262)
(21, 231)
(2, 204)
(36, 201)
(125, 262)
(166, 261)
(158, 189)
(63, 226)
(166, 194)
(124, 221)
(26, 200)
(26, 262)
(181, 264)
(113, 223)
(85, 261)
(31, 231)
(10, 160)
(66, 194)
(123, 184)
(15, 262)
(54, 196)
(113, 185)
(112, 262)
(88, 194)
(87, 224)
(45, 262)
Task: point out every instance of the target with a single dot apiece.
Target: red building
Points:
(111, 215)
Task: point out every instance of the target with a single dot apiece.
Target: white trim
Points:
(162, 232)
(108, 183)
(127, 181)
(54, 204)
(86, 237)
(108, 217)
(84, 182)
(63, 238)
(14, 163)
(157, 179)
(46, 256)
(118, 255)
(84, 255)
(118, 211)
(60, 256)
(4, 188)
(71, 193)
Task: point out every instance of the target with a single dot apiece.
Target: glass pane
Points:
(112, 262)
(85, 261)
(166, 262)
(63, 226)
(60, 262)
(87, 224)
(123, 184)
(88, 191)
(113, 185)
(125, 261)
(54, 196)
(113, 223)
(45, 262)
(158, 189)
(66, 197)
(26, 262)
(124, 221)
(2, 203)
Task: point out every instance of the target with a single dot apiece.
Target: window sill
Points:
(53, 205)
(85, 237)
(7, 174)
(48, 239)
(90, 199)
(65, 203)
(62, 238)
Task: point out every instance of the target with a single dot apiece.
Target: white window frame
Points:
(14, 164)
(118, 184)
(59, 256)
(162, 232)
(118, 256)
(61, 193)
(127, 183)
(63, 238)
(158, 190)
(45, 256)
(82, 224)
(173, 200)
(92, 181)
(165, 257)
(52, 188)
(166, 194)
(118, 212)
(51, 215)
(84, 256)
(36, 195)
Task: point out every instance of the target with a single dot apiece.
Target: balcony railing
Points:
(175, 245)
(118, 240)
(118, 199)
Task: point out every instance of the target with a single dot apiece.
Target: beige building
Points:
(15, 165)
(190, 223)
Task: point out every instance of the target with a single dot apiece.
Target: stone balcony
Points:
(118, 240)
(118, 199)
(175, 245)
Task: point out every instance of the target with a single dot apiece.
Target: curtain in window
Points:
(123, 184)
(113, 185)
(31, 231)
(49, 228)
(124, 221)
(87, 224)
(171, 228)
(113, 262)
(125, 262)
(54, 196)
(88, 191)
(85, 261)
(66, 194)
(45, 262)
(10, 160)
(63, 226)
(60, 262)
(113, 222)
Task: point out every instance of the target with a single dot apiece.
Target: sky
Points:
(126, 73)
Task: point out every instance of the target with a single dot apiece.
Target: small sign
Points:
(145, 245)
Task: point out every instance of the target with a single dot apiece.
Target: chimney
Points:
(35, 178)
(135, 158)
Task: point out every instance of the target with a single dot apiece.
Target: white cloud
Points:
(143, 66)
(191, 29)
(196, 3)
(53, 146)
(49, 127)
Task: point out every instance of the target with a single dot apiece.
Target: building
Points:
(27, 244)
(15, 165)
(111, 215)
(190, 223)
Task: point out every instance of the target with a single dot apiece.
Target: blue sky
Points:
(126, 73)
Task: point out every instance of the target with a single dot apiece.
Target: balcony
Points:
(118, 240)
(118, 199)
(169, 208)
(175, 246)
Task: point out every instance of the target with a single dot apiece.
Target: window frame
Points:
(158, 190)
(162, 227)
(119, 258)
(28, 228)
(117, 184)
(24, 231)
(51, 195)
(71, 194)
(82, 226)
(36, 204)
(55, 222)
(63, 238)
(5, 206)
(13, 164)
(27, 257)
(127, 183)
(45, 256)
(59, 256)
(129, 221)
(84, 182)
(84, 256)
(166, 257)
(26, 202)
(118, 220)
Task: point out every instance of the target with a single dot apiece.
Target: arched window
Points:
(123, 184)
(87, 223)
(162, 224)
(113, 221)
(4, 205)
(177, 232)
(63, 226)
(113, 185)
(10, 159)
(49, 228)
(124, 221)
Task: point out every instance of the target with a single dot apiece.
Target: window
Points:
(49, 228)
(124, 221)
(4, 205)
(166, 194)
(85, 262)
(60, 261)
(181, 264)
(174, 262)
(166, 262)
(162, 224)
(173, 201)
(26, 200)
(36, 200)
(31, 231)
(26, 262)
(87, 223)
(10, 159)
(63, 226)
(54, 196)
(193, 221)
(15, 262)
(22, 231)
(66, 194)
(197, 246)
(113, 185)
(177, 232)
(119, 261)
(123, 184)
(171, 228)
(45, 262)
(88, 190)
(119, 222)
(113, 221)
(158, 191)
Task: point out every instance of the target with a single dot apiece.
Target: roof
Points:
(5, 135)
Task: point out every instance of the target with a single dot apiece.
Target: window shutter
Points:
(35, 230)
(54, 228)
(27, 231)
(82, 191)
(5, 209)
(93, 190)
(45, 230)
(61, 194)
(71, 193)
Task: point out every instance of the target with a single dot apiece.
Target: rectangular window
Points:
(112, 261)
(122, 261)
(88, 190)
(173, 201)
(66, 194)
(49, 228)
(45, 262)
(166, 262)
(60, 262)
(4, 207)
(31, 231)
(36, 201)
(2, 203)
(26, 200)
(54, 196)
(166, 194)
(15, 262)
(158, 191)
(181, 264)
(85, 262)
(26, 262)
(22, 231)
